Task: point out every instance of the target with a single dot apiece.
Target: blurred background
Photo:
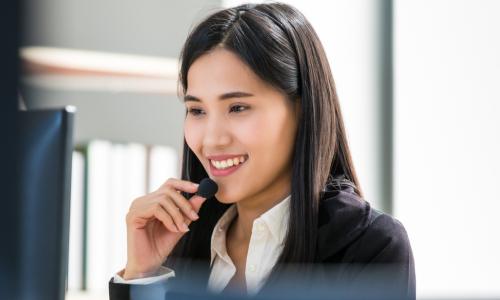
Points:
(419, 88)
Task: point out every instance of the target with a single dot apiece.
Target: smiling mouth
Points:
(228, 163)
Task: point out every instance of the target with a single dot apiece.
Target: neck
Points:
(248, 211)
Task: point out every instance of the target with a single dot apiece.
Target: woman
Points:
(264, 122)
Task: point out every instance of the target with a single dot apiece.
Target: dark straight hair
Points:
(277, 42)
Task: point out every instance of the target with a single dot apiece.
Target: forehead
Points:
(221, 70)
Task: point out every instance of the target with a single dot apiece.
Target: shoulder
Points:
(351, 230)
(365, 245)
(385, 240)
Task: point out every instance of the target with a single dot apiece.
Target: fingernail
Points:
(195, 184)
(185, 228)
(194, 215)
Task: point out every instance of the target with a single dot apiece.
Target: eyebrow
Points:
(221, 97)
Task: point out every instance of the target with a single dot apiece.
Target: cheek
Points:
(268, 138)
(193, 135)
(250, 132)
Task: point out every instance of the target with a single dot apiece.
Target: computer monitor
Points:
(44, 178)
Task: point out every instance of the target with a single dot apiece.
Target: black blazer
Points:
(360, 251)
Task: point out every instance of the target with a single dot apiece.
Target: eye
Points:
(194, 111)
(238, 108)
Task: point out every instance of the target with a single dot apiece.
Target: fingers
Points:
(160, 213)
(185, 206)
(175, 213)
(179, 184)
(182, 211)
(167, 205)
(196, 202)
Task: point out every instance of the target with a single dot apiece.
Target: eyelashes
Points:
(194, 111)
(238, 106)
(235, 108)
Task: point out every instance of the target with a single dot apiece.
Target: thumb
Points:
(197, 201)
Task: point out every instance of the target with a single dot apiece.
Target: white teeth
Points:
(228, 163)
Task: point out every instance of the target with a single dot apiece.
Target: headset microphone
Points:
(207, 188)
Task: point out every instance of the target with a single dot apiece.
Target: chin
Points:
(226, 198)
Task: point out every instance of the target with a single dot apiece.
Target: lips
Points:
(227, 171)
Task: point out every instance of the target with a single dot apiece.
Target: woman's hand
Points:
(155, 224)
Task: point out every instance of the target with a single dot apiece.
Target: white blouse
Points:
(266, 244)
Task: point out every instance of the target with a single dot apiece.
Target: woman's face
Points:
(231, 111)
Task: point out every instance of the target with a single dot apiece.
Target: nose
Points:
(216, 135)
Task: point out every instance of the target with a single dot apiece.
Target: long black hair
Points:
(277, 42)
